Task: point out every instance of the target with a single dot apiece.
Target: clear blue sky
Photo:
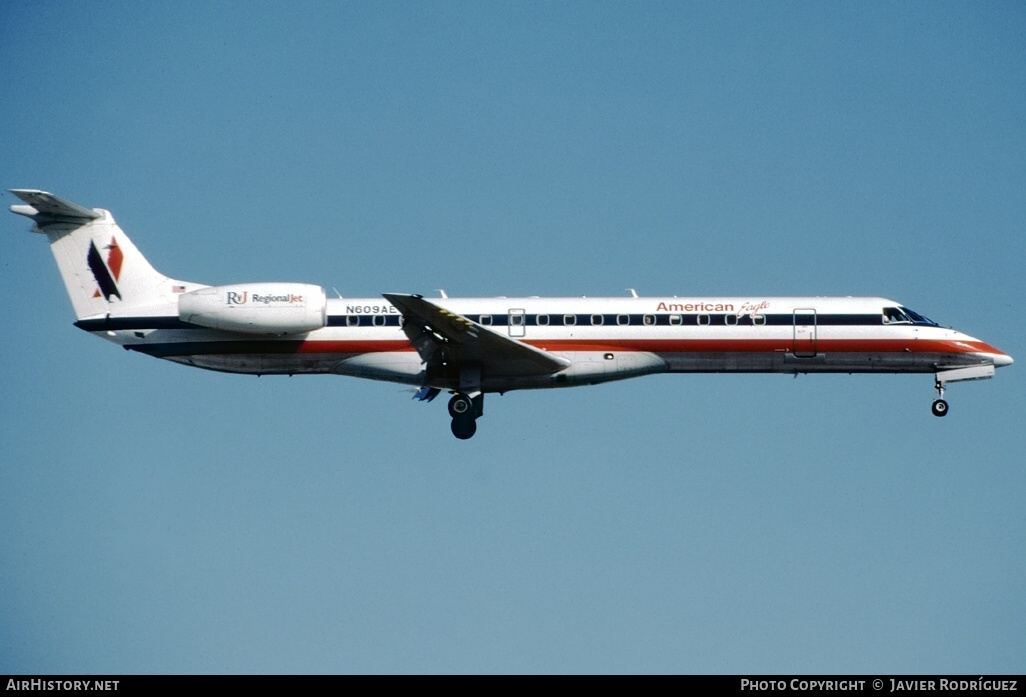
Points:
(160, 519)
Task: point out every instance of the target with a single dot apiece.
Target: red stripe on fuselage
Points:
(767, 345)
(683, 346)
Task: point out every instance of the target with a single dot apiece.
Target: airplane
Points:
(473, 346)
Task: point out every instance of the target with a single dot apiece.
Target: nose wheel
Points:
(940, 406)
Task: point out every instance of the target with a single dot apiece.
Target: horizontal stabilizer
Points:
(45, 208)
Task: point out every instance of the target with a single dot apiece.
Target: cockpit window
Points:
(918, 318)
(894, 315)
(903, 315)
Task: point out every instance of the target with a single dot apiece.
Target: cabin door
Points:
(804, 333)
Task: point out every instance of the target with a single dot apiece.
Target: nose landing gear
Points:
(940, 406)
(971, 372)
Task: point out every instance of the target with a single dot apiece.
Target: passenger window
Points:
(516, 320)
(569, 320)
(623, 319)
(486, 320)
(596, 319)
(730, 320)
(352, 320)
(379, 320)
(543, 320)
(703, 320)
(649, 320)
(674, 320)
(758, 320)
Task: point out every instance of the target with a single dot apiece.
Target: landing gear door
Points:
(804, 333)
(517, 323)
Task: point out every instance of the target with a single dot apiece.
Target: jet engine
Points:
(256, 308)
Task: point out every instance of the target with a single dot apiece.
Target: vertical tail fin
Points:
(102, 270)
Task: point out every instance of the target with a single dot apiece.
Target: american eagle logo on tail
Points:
(106, 274)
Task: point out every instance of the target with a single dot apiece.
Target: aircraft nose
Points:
(1002, 359)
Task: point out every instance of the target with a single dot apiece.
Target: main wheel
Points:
(464, 427)
(459, 405)
(940, 408)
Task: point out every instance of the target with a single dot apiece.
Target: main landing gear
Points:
(465, 410)
(940, 406)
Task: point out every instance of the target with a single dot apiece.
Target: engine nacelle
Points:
(256, 308)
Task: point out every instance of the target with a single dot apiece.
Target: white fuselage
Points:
(603, 338)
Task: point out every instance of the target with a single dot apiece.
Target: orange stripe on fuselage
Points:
(682, 345)
(767, 345)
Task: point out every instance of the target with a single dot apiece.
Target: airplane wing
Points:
(46, 208)
(439, 334)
